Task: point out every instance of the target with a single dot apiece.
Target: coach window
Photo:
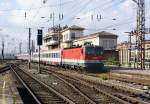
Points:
(55, 55)
(45, 55)
(58, 55)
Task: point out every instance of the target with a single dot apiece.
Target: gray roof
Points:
(73, 27)
(102, 34)
(76, 27)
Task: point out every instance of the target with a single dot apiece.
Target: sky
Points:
(117, 16)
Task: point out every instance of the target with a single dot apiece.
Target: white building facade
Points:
(104, 39)
(73, 35)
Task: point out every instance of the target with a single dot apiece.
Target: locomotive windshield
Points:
(91, 50)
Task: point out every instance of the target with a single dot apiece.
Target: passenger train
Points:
(89, 58)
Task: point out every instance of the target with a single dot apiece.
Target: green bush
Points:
(103, 76)
(112, 61)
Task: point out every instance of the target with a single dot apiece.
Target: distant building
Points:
(8, 56)
(123, 49)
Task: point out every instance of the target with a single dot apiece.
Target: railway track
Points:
(5, 68)
(65, 88)
(42, 93)
(114, 92)
(91, 94)
(80, 95)
(88, 91)
(131, 77)
(111, 91)
(68, 89)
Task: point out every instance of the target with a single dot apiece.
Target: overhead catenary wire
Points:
(34, 8)
(73, 13)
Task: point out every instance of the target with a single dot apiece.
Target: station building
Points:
(51, 39)
(74, 36)
(125, 60)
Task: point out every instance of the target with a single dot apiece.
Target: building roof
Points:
(102, 34)
(126, 44)
(73, 27)
(49, 35)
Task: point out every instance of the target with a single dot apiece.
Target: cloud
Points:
(27, 3)
(16, 17)
(128, 8)
(5, 4)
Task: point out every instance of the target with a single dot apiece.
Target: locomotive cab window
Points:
(93, 50)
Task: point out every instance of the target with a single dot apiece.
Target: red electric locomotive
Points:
(87, 57)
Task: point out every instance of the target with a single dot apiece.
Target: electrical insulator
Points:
(51, 16)
(99, 17)
(44, 1)
(25, 15)
(59, 16)
(62, 16)
(92, 17)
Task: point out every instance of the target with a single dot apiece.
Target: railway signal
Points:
(39, 43)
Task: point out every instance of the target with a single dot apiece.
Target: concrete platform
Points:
(8, 91)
